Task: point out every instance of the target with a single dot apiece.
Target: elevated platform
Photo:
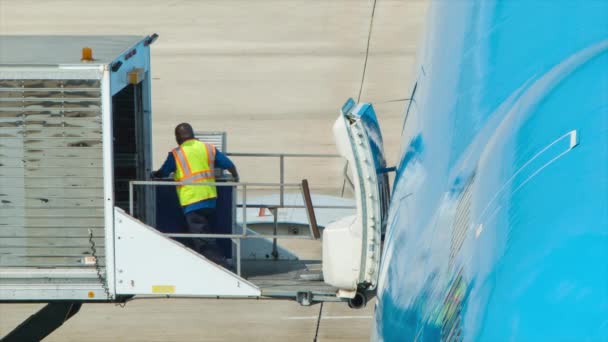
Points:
(262, 236)
(144, 272)
(287, 278)
(327, 209)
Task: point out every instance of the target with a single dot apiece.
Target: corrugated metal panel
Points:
(51, 175)
(217, 139)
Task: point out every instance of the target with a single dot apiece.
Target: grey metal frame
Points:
(236, 238)
(282, 157)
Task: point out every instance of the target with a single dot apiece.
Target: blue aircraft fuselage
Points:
(498, 224)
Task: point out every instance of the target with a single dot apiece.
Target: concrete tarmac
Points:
(273, 75)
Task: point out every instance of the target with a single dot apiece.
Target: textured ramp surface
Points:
(287, 277)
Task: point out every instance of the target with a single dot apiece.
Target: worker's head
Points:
(183, 132)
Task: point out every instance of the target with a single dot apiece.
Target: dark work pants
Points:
(199, 223)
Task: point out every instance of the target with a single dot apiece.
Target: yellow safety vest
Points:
(195, 162)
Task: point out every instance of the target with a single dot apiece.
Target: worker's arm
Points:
(223, 162)
(167, 168)
(234, 173)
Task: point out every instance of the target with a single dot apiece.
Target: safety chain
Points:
(101, 278)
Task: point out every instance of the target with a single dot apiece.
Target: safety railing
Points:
(244, 186)
(281, 157)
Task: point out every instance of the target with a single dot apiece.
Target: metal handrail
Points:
(290, 155)
(250, 184)
(237, 237)
(295, 206)
(235, 184)
(282, 157)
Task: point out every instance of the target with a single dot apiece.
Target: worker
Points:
(195, 161)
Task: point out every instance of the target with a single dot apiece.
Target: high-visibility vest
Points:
(195, 162)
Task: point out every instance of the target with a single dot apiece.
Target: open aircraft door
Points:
(352, 245)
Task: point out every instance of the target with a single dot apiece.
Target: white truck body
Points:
(71, 133)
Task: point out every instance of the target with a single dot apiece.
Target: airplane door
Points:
(351, 246)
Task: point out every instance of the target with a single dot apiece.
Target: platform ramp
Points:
(275, 243)
(149, 263)
(327, 209)
(301, 280)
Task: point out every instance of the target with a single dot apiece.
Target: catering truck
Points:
(81, 221)
(74, 128)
